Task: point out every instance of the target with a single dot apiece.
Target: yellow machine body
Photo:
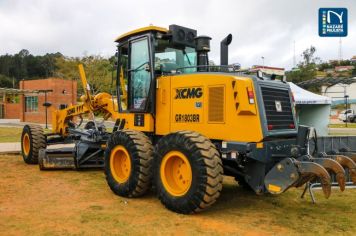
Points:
(215, 105)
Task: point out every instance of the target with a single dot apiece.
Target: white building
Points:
(268, 70)
(338, 91)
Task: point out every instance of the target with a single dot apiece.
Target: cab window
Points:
(169, 58)
(139, 73)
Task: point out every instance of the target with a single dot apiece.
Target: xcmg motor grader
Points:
(181, 124)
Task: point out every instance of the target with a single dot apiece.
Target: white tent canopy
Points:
(302, 96)
(312, 109)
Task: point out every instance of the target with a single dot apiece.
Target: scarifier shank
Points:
(346, 162)
(334, 167)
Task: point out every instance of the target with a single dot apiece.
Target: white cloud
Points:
(259, 28)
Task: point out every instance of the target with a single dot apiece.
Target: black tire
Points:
(140, 150)
(41, 156)
(206, 168)
(36, 140)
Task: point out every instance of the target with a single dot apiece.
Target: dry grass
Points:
(80, 203)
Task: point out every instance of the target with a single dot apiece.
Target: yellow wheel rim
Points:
(26, 144)
(176, 173)
(120, 164)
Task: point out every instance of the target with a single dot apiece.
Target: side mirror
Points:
(260, 74)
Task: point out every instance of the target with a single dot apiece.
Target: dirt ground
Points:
(80, 203)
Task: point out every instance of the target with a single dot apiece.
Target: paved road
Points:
(13, 148)
(340, 131)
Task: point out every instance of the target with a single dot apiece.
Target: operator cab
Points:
(147, 53)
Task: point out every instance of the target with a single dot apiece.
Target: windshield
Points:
(169, 58)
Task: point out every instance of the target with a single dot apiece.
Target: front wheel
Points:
(188, 172)
(128, 162)
(32, 140)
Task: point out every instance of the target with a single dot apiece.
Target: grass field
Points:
(349, 125)
(80, 203)
(10, 134)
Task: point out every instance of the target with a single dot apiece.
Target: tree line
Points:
(25, 66)
(100, 71)
(310, 64)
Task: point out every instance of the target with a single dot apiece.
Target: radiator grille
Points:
(272, 97)
(216, 104)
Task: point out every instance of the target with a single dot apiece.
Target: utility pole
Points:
(46, 104)
(294, 58)
(346, 98)
(263, 62)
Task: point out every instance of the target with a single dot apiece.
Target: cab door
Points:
(140, 76)
(135, 62)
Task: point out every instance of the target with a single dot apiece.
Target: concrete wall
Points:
(64, 92)
(316, 116)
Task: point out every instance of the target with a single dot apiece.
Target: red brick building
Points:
(9, 104)
(31, 104)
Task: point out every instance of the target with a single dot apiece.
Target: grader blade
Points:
(334, 167)
(292, 173)
(56, 159)
(346, 162)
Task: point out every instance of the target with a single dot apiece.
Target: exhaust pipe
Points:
(224, 50)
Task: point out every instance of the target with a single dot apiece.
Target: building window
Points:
(31, 104)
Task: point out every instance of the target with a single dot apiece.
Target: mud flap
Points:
(292, 173)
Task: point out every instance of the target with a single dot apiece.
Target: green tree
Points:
(5, 82)
(306, 69)
(99, 71)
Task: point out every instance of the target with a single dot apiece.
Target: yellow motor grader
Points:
(181, 124)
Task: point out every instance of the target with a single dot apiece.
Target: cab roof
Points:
(141, 30)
